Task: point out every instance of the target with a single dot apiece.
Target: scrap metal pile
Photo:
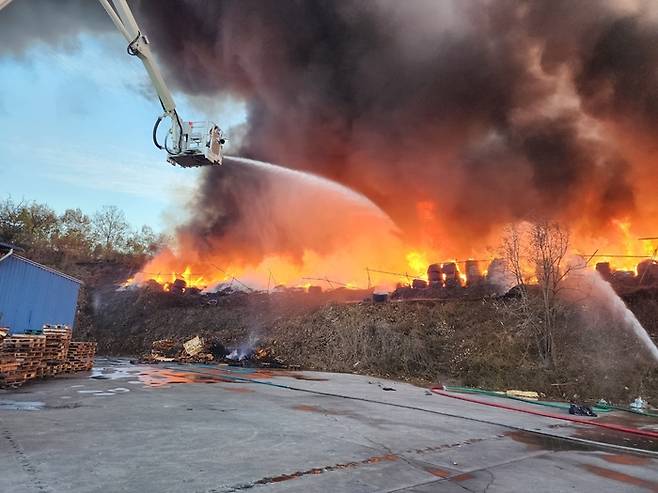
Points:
(41, 354)
(200, 350)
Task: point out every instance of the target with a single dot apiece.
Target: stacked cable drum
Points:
(27, 351)
(55, 356)
(80, 356)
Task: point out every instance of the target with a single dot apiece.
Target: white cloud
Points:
(114, 170)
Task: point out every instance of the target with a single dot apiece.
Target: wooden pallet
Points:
(27, 353)
(80, 356)
(57, 344)
(51, 370)
(8, 365)
(16, 378)
(23, 341)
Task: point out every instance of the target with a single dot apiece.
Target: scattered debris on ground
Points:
(202, 350)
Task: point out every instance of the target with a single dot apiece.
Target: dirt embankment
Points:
(475, 343)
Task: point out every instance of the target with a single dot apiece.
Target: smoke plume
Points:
(490, 111)
(451, 116)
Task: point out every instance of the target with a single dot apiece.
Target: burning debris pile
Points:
(452, 279)
(519, 115)
(645, 274)
(202, 350)
(420, 128)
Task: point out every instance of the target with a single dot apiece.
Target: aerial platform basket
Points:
(201, 145)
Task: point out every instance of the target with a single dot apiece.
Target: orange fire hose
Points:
(609, 426)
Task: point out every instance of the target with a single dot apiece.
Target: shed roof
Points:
(8, 246)
(43, 267)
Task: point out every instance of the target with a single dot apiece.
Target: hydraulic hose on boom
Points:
(188, 144)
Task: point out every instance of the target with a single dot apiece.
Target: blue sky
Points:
(75, 131)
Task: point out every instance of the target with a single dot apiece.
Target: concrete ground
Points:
(205, 428)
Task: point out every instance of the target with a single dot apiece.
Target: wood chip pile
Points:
(27, 356)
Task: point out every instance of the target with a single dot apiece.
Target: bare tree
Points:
(549, 244)
(10, 220)
(540, 249)
(110, 228)
(31, 225)
(512, 250)
(144, 242)
(74, 233)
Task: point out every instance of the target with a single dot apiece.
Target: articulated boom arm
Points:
(192, 143)
(139, 46)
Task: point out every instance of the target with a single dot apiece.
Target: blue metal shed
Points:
(32, 294)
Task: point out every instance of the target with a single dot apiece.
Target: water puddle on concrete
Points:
(240, 390)
(626, 459)
(614, 437)
(115, 372)
(626, 479)
(104, 392)
(535, 441)
(163, 376)
(6, 405)
(160, 377)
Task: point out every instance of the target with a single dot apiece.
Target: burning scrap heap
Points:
(505, 112)
(203, 350)
(403, 127)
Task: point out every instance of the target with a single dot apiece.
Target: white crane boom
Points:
(193, 143)
(139, 45)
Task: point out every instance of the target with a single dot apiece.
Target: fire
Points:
(370, 257)
(417, 262)
(623, 248)
(192, 281)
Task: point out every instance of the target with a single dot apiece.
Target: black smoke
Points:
(24, 23)
(494, 111)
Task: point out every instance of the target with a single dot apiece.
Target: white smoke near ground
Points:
(597, 301)
(261, 225)
(500, 276)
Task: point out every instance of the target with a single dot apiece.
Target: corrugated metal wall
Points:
(32, 295)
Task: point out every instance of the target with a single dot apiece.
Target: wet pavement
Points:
(210, 428)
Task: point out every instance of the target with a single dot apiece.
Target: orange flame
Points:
(370, 259)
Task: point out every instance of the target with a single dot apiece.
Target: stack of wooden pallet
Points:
(8, 367)
(80, 356)
(58, 338)
(8, 363)
(28, 351)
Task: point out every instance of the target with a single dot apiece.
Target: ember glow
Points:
(372, 256)
(427, 129)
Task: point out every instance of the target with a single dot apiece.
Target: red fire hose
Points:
(609, 426)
